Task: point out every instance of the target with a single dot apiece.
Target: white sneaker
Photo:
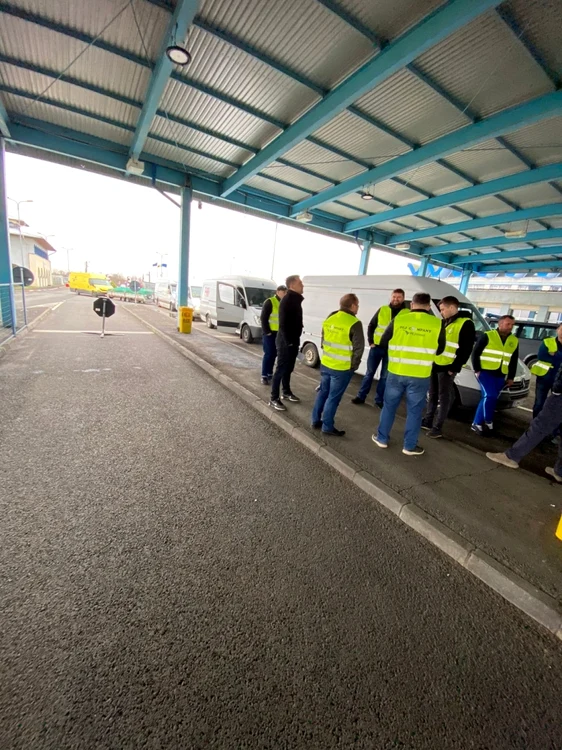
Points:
(501, 458)
(550, 471)
(378, 442)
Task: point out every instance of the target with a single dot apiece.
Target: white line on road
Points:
(108, 333)
(524, 408)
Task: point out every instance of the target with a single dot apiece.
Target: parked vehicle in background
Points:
(166, 294)
(322, 294)
(530, 334)
(233, 303)
(88, 283)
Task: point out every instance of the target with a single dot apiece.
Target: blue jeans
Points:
(542, 426)
(491, 387)
(332, 387)
(376, 356)
(269, 354)
(415, 390)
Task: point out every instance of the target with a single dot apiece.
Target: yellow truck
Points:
(88, 283)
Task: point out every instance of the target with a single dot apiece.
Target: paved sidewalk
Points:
(510, 515)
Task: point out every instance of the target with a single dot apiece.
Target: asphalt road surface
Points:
(177, 573)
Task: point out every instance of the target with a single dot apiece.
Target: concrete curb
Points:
(4, 346)
(536, 604)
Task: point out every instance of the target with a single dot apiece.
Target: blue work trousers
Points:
(377, 356)
(332, 387)
(491, 386)
(415, 391)
(269, 354)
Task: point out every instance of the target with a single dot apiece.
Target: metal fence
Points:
(13, 317)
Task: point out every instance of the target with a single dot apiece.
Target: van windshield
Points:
(99, 282)
(256, 297)
(478, 319)
(196, 291)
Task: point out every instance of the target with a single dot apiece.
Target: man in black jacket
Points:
(460, 334)
(288, 342)
(269, 326)
(542, 426)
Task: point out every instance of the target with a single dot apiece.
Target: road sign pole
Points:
(103, 319)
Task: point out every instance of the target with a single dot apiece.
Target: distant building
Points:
(32, 251)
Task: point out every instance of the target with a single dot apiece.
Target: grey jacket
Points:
(357, 338)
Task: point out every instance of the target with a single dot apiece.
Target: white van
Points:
(234, 303)
(322, 295)
(165, 295)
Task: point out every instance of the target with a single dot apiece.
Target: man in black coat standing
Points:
(288, 343)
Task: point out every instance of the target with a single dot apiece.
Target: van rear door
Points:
(229, 314)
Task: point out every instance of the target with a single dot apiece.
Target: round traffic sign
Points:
(104, 306)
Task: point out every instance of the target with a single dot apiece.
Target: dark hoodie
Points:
(467, 337)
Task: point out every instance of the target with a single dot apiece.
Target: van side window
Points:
(226, 294)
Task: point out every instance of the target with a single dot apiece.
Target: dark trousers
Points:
(542, 389)
(377, 356)
(269, 354)
(286, 358)
(332, 387)
(540, 428)
(440, 399)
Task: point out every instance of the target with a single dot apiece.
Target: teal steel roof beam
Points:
(506, 121)
(98, 151)
(451, 247)
(4, 121)
(532, 252)
(355, 23)
(525, 214)
(511, 182)
(531, 266)
(181, 19)
(431, 30)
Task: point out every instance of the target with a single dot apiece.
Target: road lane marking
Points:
(524, 408)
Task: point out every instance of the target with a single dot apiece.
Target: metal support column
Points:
(7, 299)
(424, 265)
(365, 256)
(183, 271)
(465, 278)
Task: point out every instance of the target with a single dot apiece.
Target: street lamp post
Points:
(22, 267)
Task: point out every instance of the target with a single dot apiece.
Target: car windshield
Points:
(257, 296)
(196, 291)
(98, 282)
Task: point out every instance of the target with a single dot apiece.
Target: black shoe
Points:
(291, 397)
(434, 433)
(334, 432)
(357, 400)
(426, 426)
(265, 381)
(378, 404)
(277, 405)
(417, 451)
(316, 425)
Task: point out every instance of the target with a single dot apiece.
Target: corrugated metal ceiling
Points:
(284, 31)
(542, 143)
(534, 195)
(322, 161)
(172, 153)
(486, 161)
(388, 20)
(188, 137)
(434, 178)
(541, 21)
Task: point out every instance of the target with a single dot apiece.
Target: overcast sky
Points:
(119, 227)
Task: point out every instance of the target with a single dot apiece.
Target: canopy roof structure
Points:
(434, 126)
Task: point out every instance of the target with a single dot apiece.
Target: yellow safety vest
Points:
(541, 367)
(337, 348)
(412, 348)
(452, 332)
(497, 353)
(383, 321)
(274, 317)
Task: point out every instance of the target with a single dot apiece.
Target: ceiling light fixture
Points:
(178, 55)
(515, 233)
(367, 196)
(403, 246)
(305, 217)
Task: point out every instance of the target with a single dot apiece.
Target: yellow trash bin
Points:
(559, 529)
(185, 319)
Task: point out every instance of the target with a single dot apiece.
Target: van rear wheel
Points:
(208, 321)
(246, 334)
(310, 355)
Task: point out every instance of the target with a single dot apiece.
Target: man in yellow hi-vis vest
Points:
(413, 341)
(549, 359)
(343, 343)
(269, 326)
(377, 355)
(494, 361)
